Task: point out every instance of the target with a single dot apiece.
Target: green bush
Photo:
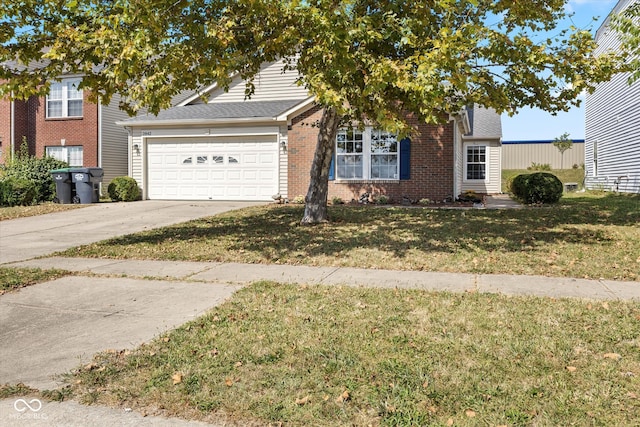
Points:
(38, 171)
(539, 187)
(539, 167)
(123, 189)
(17, 192)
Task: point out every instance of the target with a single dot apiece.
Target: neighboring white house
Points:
(612, 134)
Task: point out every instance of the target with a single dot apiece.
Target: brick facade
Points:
(30, 121)
(431, 163)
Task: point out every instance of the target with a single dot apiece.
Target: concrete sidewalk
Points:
(240, 274)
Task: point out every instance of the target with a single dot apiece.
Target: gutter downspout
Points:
(12, 130)
(100, 138)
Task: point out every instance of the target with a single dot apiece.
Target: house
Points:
(66, 125)
(612, 132)
(520, 154)
(232, 148)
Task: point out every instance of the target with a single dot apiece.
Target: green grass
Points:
(564, 175)
(15, 278)
(334, 356)
(586, 235)
(14, 212)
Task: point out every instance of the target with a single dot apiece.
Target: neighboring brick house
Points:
(65, 125)
(235, 149)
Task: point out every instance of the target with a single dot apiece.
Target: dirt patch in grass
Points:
(587, 236)
(334, 356)
(14, 212)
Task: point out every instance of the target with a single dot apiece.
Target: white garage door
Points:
(230, 168)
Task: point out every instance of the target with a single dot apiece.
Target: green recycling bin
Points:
(64, 187)
(87, 182)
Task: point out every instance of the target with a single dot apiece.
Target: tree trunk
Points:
(315, 209)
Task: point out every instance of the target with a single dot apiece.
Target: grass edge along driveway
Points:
(586, 235)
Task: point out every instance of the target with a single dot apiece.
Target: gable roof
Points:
(485, 123)
(217, 112)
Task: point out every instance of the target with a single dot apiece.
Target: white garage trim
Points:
(212, 168)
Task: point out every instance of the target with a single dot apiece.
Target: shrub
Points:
(38, 171)
(425, 202)
(337, 201)
(539, 167)
(123, 189)
(17, 192)
(298, 200)
(381, 199)
(539, 187)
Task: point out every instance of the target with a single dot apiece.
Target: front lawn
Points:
(335, 356)
(14, 212)
(586, 235)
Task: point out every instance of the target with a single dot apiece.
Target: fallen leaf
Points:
(571, 368)
(166, 339)
(238, 364)
(632, 395)
(450, 422)
(303, 401)
(343, 397)
(228, 382)
(425, 384)
(605, 305)
(177, 378)
(469, 413)
(614, 356)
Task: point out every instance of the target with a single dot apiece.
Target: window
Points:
(369, 154)
(476, 162)
(64, 99)
(71, 155)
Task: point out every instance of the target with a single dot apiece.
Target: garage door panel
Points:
(204, 170)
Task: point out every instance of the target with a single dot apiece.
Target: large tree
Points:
(627, 24)
(361, 59)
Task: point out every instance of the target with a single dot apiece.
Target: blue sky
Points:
(536, 124)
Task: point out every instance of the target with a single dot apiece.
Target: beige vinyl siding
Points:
(520, 155)
(613, 125)
(137, 158)
(114, 139)
(493, 183)
(283, 177)
(271, 84)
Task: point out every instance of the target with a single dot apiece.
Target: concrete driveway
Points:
(26, 238)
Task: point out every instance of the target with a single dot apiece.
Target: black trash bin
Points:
(87, 181)
(64, 187)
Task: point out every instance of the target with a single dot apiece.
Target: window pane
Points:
(54, 108)
(217, 159)
(383, 142)
(75, 109)
(55, 91)
(56, 152)
(72, 90)
(349, 166)
(202, 159)
(384, 166)
(233, 159)
(187, 160)
(75, 156)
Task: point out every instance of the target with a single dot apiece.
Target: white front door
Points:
(230, 168)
